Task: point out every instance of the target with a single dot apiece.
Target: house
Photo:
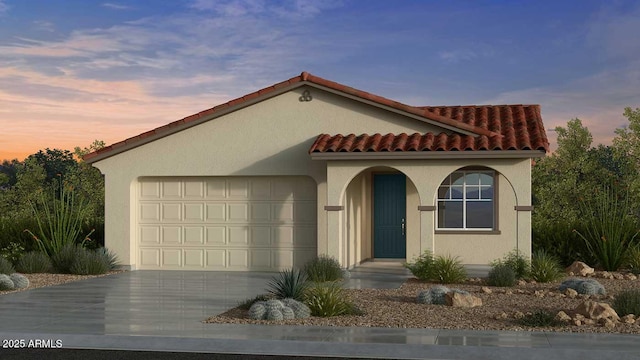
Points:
(309, 166)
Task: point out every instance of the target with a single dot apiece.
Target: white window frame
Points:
(464, 200)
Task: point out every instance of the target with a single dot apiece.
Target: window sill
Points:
(469, 232)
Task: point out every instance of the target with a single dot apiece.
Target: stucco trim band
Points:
(523, 208)
(334, 207)
(426, 208)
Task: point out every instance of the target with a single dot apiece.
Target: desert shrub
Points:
(448, 270)
(323, 268)
(422, 266)
(109, 257)
(501, 275)
(19, 281)
(545, 267)
(560, 240)
(59, 215)
(583, 286)
(290, 283)
(627, 302)
(12, 252)
(328, 299)
(89, 262)
(6, 283)
(63, 260)
(539, 318)
(520, 265)
(34, 262)
(246, 304)
(633, 260)
(609, 229)
(441, 269)
(6, 267)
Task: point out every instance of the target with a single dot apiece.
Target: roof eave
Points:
(414, 155)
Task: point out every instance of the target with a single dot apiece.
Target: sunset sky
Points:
(78, 70)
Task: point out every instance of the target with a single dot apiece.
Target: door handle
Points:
(403, 226)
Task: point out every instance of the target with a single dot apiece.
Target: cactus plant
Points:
(435, 295)
(19, 281)
(258, 311)
(583, 286)
(287, 313)
(274, 315)
(6, 283)
(300, 310)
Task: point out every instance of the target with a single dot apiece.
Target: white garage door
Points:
(226, 223)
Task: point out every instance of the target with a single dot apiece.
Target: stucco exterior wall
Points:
(268, 138)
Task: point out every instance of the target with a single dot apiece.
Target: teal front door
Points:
(389, 216)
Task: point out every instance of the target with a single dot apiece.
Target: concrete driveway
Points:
(163, 310)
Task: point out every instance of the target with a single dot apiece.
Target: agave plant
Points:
(290, 283)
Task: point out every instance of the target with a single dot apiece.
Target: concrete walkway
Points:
(163, 310)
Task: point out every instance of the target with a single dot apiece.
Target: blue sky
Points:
(78, 70)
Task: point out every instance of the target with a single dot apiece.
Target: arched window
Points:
(466, 201)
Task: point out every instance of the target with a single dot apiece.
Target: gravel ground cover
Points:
(46, 279)
(397, 308)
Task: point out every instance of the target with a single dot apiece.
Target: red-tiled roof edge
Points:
(303, 77)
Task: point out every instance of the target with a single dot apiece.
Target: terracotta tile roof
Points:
(514, 127)
(519, 125)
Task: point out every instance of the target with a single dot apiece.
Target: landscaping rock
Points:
(486, 290)
(570, 293)
(522, 282)
(518, 315)
(630, 276)
(618, 276)
(628, 319)
(580, 268)
(607, 323)
(539, 293)
(456, 299)
(563, 317)
(596, 311)
(501, 316)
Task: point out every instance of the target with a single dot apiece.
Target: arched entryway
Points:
(378, 222)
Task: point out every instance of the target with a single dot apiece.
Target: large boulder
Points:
(596, 311)
(580, 268)
(457, 299)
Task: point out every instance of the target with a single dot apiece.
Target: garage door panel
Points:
(171, 258)
(243, 223)
(194, 212)
(193, 235)
(194, 258)
(216, 235)
(150, 235)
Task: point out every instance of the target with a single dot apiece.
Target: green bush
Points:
(520, 265)
(12, 252)
(291, 283)
(441, 269)
(109, 257)
(6, 267)
(34, 262)
(63, 260)
(609, 229)
(560, 240)
(539, 318)
(328, 299)
(323, 268)
(89, 262)
(448, 270)
(627, 302)
(422, 266)
(633, 260)
(545, 267)
(501, 275)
